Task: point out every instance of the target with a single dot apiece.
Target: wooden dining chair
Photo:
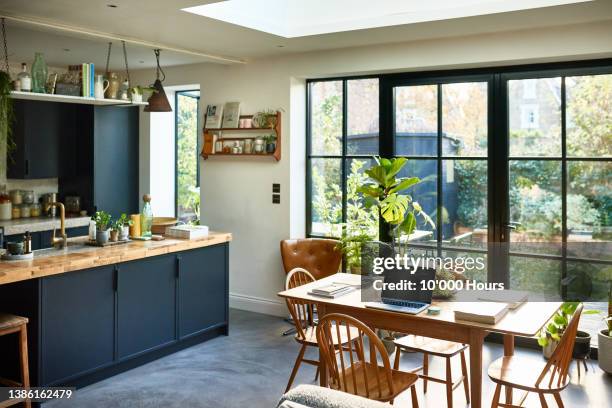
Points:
(302, 315)
(361, 375)
(531, 375)
(436, 348)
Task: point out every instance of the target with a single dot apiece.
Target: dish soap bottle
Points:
(146, 217)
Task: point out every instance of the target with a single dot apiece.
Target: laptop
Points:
(405, 301)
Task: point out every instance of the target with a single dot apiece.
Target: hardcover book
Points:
(231, 114)
(214, 113)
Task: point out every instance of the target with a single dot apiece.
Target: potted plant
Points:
(102, 220)
(266, 118)
(123, 226)
(137, 92)
(605, 339)
(114, 232)
(270, 143)
(550, 336)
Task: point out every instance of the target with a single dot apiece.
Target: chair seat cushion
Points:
(313, 396)
(431, 346)
(523, 373)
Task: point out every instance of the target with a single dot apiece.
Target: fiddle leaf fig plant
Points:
(387, 192)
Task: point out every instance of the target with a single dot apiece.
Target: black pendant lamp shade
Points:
(158, 101)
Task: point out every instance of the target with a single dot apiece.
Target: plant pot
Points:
(102, 237)
(582, 346)
(137, 98)
(550, 348)
(270, 147)
(356, 270)
(114, 234)
(124, 234)
(605, 351)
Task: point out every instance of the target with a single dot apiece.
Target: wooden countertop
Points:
(78, 256)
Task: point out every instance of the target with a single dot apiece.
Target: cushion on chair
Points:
(313, 396)
(320, 257)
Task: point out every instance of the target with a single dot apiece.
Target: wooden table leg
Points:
(476, 342)
(508, 352)
(322, 365)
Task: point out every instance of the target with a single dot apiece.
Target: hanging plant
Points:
(7, 114)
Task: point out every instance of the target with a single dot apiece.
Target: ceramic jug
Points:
(112, 92)
(100, 86)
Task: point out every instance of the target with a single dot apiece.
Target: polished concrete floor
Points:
(250, 367)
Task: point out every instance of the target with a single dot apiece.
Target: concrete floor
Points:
(250, 369)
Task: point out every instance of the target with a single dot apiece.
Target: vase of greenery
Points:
(123, 226)
(605, 339)
(102, 220)
(114, 233)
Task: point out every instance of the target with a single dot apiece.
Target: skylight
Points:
(298, 18)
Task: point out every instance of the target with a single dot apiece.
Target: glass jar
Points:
(25, 210)
(35, 210)
(27, 196)
(16, 211)
(16, 197)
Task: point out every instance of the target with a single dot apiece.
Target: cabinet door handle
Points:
(178, 265)
(116, 278)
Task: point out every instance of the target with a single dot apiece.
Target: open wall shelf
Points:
(248, 134)
(32, 96)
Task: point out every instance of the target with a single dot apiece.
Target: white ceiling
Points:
(162, 21)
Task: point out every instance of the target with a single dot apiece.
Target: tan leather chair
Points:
(320, 257)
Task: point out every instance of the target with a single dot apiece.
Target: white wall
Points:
(236, 192)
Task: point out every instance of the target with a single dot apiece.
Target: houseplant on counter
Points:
(605, 339)
(102, 220)
(123, 226)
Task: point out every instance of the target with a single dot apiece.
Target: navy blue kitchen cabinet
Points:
(202, 289)
(146, 292)
(91, 324)
(77, 323)
(37, 132)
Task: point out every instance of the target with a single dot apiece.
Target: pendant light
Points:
(158, 102)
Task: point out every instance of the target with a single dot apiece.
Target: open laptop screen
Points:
(416, 295)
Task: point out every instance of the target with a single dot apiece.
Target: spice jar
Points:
(25, 210)
(35, 210)
(27, 196)
(16, 197)
(6, 208)
(16, 211)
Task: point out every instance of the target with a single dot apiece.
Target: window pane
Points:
(359, 219)
(464, 119)
(187, 188)
(589, 115)
(589, 209)
(538, 276)
(535, 205)
(326, 118)
(464, 189)
(474, 264)
(326, 196)
(535, 117)
(425, 193)
(416, 120)
(362, 120)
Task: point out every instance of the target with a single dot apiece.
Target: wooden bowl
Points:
(161, 223)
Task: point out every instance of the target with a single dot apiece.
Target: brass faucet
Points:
(62, 241)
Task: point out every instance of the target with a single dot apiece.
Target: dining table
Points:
(526, 320)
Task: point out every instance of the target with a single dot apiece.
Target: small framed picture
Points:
(51, 81)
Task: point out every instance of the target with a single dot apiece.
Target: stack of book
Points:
(332, 291)
(481, 312)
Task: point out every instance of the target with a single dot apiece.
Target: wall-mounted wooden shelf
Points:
(32, 96)
(276, 129)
